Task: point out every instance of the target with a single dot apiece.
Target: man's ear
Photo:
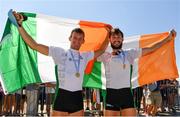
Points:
(109, 39)
(69, 38)
(83, 41)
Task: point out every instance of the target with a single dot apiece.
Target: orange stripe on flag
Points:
(94, 24)
(160, 64)
(95, 34)
(89, 67)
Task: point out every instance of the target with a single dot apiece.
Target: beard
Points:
(116, 47)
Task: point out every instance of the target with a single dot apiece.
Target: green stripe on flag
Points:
(29, 14)
(8, 23)
(57, 84)
(18, 65)
(131, 72)
(94, 79)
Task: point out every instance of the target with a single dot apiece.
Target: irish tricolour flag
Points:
(20, 65)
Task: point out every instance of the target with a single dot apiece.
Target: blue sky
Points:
(133, 17)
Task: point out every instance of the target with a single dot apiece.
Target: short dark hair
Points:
(116, 31)
(77, 30)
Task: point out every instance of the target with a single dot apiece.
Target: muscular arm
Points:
(28, 39)
(158, 45)
(103, 47)
(32, 43)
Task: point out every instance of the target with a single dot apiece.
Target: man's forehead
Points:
(116, 35)
(77, 34)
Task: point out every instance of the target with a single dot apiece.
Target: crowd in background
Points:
(37, 99)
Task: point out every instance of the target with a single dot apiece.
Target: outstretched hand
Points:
(172, 34)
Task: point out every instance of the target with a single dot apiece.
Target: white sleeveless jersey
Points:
(67, 69)
(118, 76)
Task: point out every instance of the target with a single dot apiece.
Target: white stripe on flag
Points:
(103, 77)
(2, 84)
(135, 74)
(52, 31)
(133, 42)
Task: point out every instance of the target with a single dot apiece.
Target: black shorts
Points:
(68, 101)
(117, 99)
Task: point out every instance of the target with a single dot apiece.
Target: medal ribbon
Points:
(74, 61)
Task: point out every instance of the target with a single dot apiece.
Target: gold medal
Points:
(77, 74)
(124, 66)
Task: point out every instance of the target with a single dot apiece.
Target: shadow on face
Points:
(76, 39)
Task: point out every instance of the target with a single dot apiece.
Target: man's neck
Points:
(116, 50)
(74, 48)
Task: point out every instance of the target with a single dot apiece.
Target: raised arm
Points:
(103, 47)
(158, 45)
(28, 39)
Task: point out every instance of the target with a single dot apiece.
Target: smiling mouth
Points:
(117, 43)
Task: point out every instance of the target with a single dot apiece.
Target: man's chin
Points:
(116, 46)
(75, 47)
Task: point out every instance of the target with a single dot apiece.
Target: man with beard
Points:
(119, 100)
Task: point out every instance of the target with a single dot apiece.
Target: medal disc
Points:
(77, 74)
